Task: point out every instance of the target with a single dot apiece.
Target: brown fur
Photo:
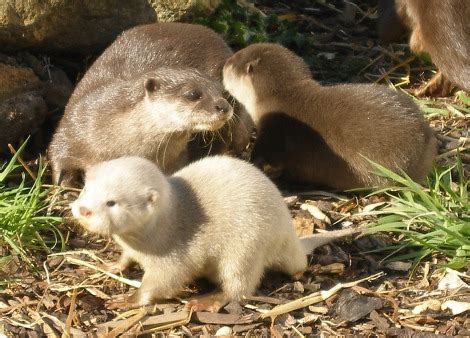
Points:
(320, 134)
(139, 51)
(152, 116)
(442, 29)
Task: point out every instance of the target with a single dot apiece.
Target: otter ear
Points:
(152, 196)
(151, 86)
(250, 67)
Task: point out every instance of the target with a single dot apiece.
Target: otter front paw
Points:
(113, 268)
(123, 302)
(438, 86)
(209, 303)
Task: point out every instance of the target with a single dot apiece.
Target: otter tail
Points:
(310, 242)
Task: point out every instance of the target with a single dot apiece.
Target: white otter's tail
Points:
(311, 242)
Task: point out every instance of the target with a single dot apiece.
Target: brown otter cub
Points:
(317, 134)
(197, 55)
(151, 115)
(219, 218)
(439, 27)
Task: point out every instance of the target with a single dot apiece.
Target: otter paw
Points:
(122, 302)
(298, 276)
(205, 303)
(113, 268)
(438, 86)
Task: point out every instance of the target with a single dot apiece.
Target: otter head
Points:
(121, 196)
(185, 100)
(262, 71)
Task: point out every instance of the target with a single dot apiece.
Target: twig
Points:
(68, 321)
(75, 261)
(23, 163)
(451, 153)
(127, 324)
(391, 70)
(169, 326)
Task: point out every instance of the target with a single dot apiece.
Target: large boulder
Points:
(84, 26)
(30, 90)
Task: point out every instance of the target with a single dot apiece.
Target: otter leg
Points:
(291, 259)
(439, 86)
(212, 302)
(65, 177)
(160, 281)
(122, 264)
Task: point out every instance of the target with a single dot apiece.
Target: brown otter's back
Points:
(325, 144)
(343, 123)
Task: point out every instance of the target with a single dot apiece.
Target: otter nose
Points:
(85, 212)
(222, 106)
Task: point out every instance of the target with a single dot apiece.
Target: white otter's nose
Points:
(80, 211)
(84, 211)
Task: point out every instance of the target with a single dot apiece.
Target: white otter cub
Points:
(219, 218)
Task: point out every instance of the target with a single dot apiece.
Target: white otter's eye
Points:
(110, 204)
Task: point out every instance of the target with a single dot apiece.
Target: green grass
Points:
(26, 222)
(241, 27)
(431, 220)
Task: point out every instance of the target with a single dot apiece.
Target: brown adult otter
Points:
(219, 218)
(152, 115)
(318, 134)
(135, 53)
(441, 28)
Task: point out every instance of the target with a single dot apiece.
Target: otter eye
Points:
(110, 203)
(194, 95)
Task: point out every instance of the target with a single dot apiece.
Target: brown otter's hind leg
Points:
(438, 86)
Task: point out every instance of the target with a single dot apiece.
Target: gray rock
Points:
(20, 116)
(352, 306)
(29, 89)
(84, 26)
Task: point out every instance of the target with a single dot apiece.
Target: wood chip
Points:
(222, 318)
(243, 328)
(152, 320)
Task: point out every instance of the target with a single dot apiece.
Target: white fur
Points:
(219, 217)
(174, 116)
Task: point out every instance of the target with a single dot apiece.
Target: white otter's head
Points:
(120, 196)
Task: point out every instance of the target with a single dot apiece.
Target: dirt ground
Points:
(348, 288)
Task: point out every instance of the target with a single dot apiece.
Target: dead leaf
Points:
(455, 307)
(315, 212)
(221, 318)
(451, 281)
(432, 304)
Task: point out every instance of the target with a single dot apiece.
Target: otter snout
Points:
(85, 212)
(222, 106)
